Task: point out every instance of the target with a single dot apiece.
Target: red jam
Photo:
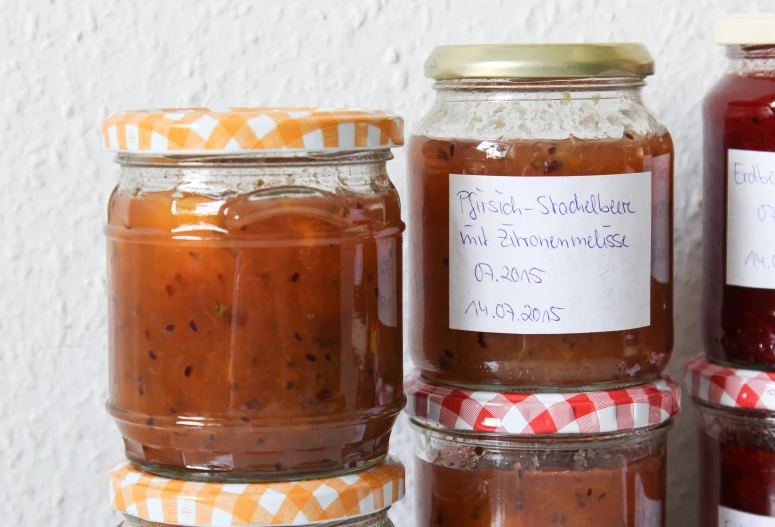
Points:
(737, 462)
(739, 321)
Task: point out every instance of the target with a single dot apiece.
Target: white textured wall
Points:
(66, 65)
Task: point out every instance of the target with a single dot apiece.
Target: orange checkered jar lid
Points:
(166, 501)
(186, 131)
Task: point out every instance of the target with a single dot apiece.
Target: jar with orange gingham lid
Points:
(254, 279)
(356, 500)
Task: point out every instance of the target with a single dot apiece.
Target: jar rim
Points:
(288, 158)
(542, 61)
(543, 441)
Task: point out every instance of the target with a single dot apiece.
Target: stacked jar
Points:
(541, 230)
(254, 273)
(734, 383)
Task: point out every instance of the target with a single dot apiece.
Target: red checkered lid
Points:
(732, 387)
(543, 413)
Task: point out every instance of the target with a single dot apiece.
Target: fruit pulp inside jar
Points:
(474, 359)
(739, 321)
(255, 336)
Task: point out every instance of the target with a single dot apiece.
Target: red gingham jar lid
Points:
(731, 387)
(543, 413)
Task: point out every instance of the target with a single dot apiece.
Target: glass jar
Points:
(541, 220)
(737, 443)
(493, 461)
(357, 500)
(255, 291)
(739, 197)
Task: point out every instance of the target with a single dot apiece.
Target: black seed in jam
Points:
(170, 290)
(481, 340)
(519, 507)
(147, 334)
(376, 292)
(278, 466)
(141, 390)
(445, 261)
(244, 228)
(294, 277)
(179, 278)
(328, 357)
(443, 155)
(233, 386)
(602, 495)
(297, 336)
(443, 363)
(193, 255)
(152, 355)
(187, 371)
(149, 421)
(551, 166)
(756, 120)
(449, 354)
(589, 492)
(291, 385)
(253, 403)
(192, 324)
(475, 514)
(212, 437)
(324, 394)
(173, 410)
(369, 278)
(439, 520)
(244, 419)
(260, 441)
(311, 357)
(552, 150)
(291, 364)
(170, 327)
(127, 226)
(629, 136)
(331, 245)
(451, 150)
(478, 451)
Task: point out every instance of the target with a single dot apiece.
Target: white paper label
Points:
(732, 518)
(751, 219)
(543, 255)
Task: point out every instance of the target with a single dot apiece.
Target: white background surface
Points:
(66, 65)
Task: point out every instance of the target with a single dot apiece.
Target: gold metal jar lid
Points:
(539, 61)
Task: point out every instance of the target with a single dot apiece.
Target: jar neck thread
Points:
(540, 89)
(752, 60)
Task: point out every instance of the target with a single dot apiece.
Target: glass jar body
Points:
(255, 314)
(737, 462)
(538, 132)
(378, 519)
(587, 481)
(739, 296)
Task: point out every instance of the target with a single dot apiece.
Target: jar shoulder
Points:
(539, 118)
